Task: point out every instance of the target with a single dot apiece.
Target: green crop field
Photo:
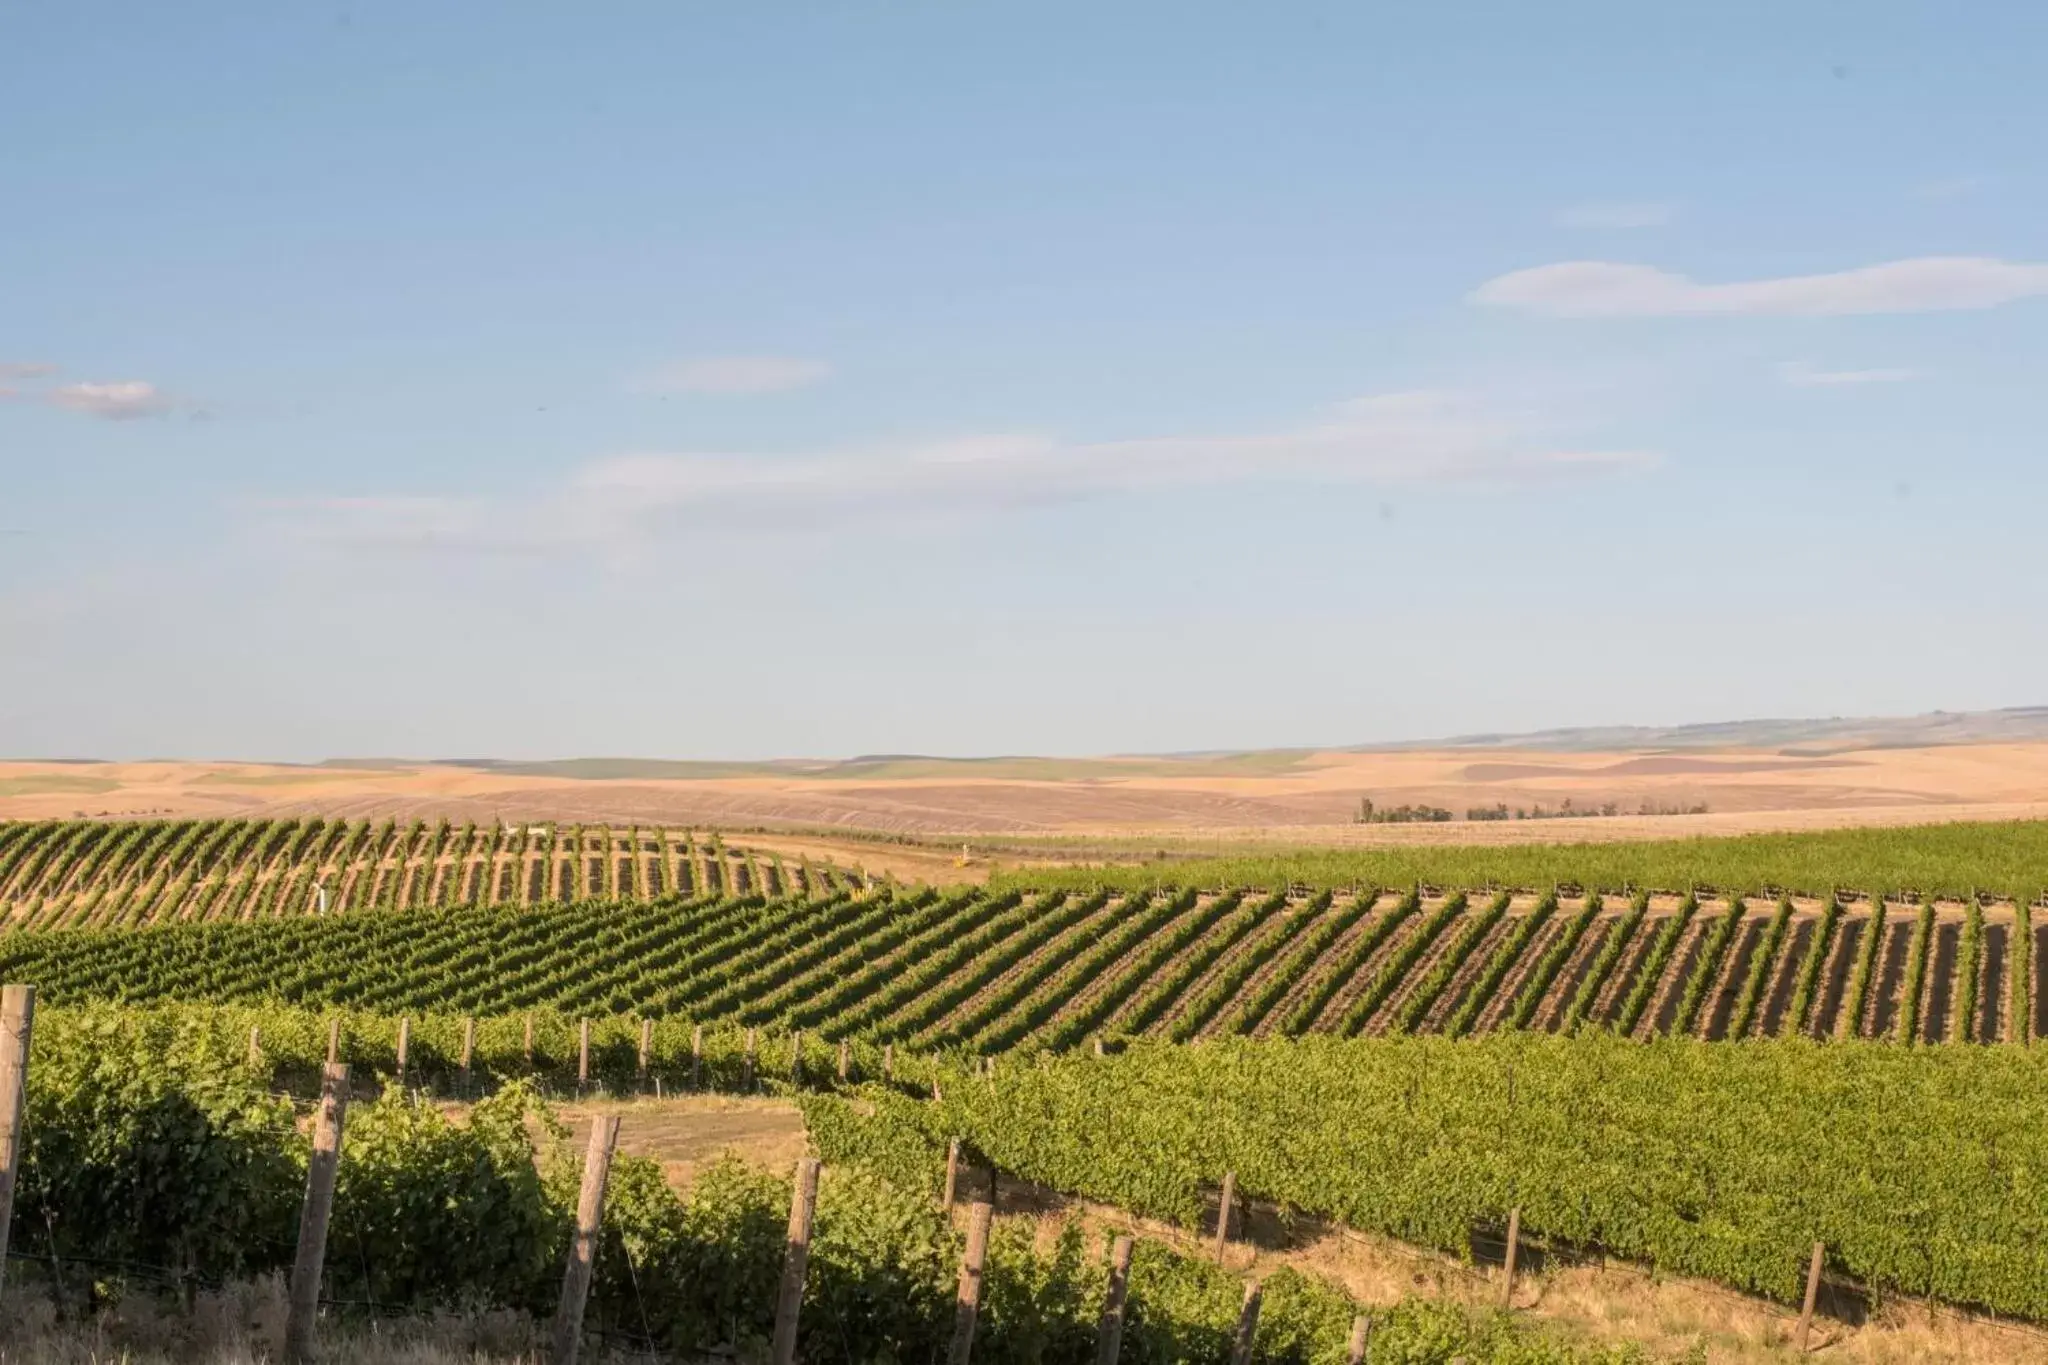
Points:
(2004, 858)
(991, 972)
(1704, 1056)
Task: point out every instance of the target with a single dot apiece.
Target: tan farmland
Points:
(1305, 797)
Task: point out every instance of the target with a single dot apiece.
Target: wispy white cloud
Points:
(1401, 438)
(1927, 284)
(26, 369)
(1804, 375)
(733, 374)
(1622, 215)
(119, 401)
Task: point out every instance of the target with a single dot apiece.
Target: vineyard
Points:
(1923, 1171)
(1951, 861)
(64, 873)
(988, 972)
(1703, 1080)
(157, 1154)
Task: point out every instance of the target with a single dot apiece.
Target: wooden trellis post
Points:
(1247, 1327)
(597, 1166)
(845, 1060)
(1507, 1279)
(697, 1058)
(646, 1049)
(1223, 1211)
(967, 1306)
(789, 1299)
(17, 1023)
(747, 1065)
(468, 1050)
(1812, 1295)
(404, 1047)
(1109, 1336)
(952, 1174)
(334, 1040)
(255, 1045)
(303, 1305)
(1361, 1333)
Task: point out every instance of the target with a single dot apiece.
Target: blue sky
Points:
(690, 380)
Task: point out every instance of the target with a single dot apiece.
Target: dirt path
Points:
(1717, 1010)
(1881, 1011)
(1621, 980)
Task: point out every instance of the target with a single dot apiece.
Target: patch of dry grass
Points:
(244, 1325)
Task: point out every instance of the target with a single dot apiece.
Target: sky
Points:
(687, 380)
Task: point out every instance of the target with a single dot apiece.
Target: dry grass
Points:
(244, 1325)
(1613, 1304)
(685, 1135)
(1668, 1317)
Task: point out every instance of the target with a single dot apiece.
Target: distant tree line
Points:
(1369, 814)
(1407, 814)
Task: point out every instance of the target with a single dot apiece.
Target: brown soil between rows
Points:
(1062, 946)
(1306, 974)
(1281, 923)
(1226, 936)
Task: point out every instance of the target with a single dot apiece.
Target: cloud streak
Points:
(26, 369)
(120, 401)
(1607, 289)
(733, 375)
(1390, 439)
(1801, 374)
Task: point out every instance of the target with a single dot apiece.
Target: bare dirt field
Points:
(1305, 797)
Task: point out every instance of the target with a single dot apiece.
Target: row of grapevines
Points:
(1161, 995)
(65, 873)
(1504, 958)
(1306, 935)
(1395, 969)
(1417, 1006)
(1650, 971)
(1310, 1007)
(1765, 953)
(1922, 1170)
